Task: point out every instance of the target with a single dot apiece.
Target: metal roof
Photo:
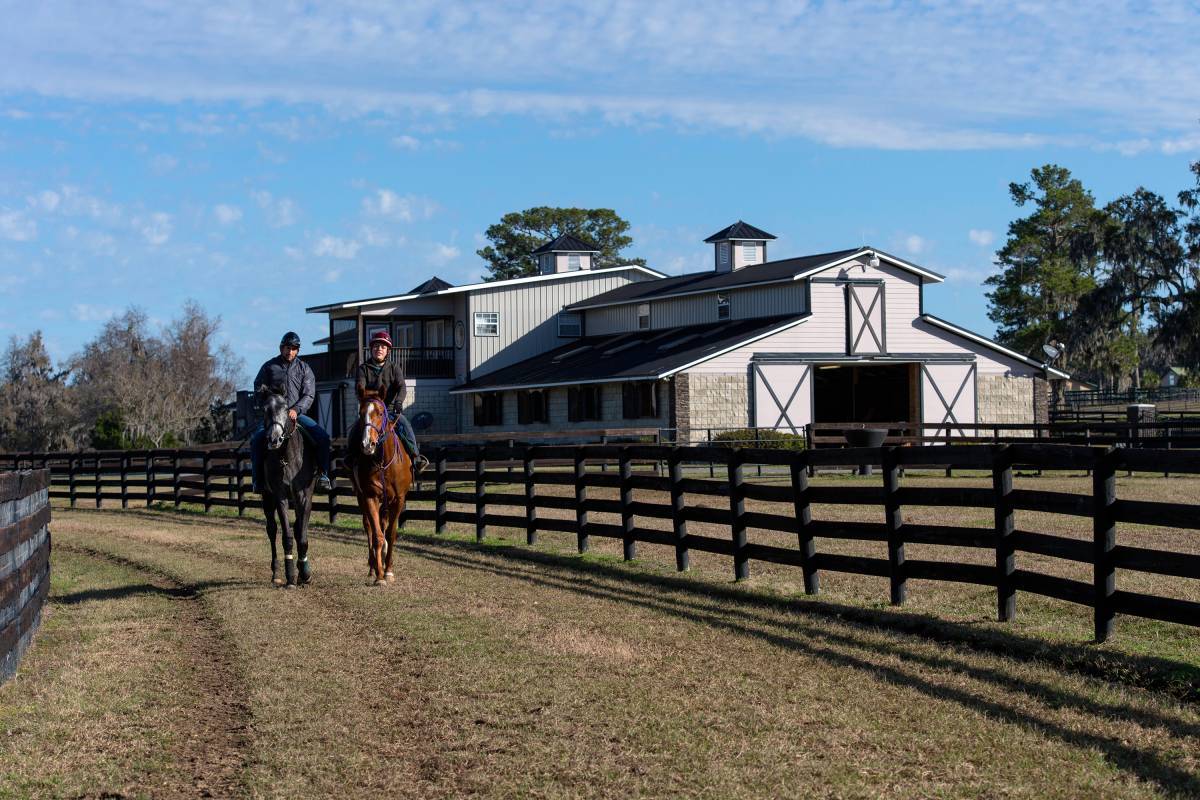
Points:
(712, 281)
(637, 355)
(741, 232)
(566, 243)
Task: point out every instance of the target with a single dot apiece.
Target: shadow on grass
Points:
(140, 590)
(834, 634)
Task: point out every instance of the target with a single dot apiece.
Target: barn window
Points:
(639, 400)
(570, 324)
(489, 408)
(723, 254)
(722, 306)
(573, 262)
(487, 323)
(583, 403)
(533, 406)
(749, 253)
(643, 315)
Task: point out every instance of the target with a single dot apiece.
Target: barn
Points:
(836, 337)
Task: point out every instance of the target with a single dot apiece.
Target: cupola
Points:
(565, 254)
(739, 245)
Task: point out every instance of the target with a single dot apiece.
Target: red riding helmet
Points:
(381, 337)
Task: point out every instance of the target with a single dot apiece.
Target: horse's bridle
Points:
(384, 430)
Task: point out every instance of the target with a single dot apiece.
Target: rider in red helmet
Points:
(386, 377)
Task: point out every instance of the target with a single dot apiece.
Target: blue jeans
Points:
(258, 445)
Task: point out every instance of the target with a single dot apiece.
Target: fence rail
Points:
(476, 476)
(24, 561)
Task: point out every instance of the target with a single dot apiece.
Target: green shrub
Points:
(766, 439)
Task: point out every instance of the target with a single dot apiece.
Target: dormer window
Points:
(722, 306)
(573, 262)
(723, 254)
(570, 324)
(643, 316)
(749, 253)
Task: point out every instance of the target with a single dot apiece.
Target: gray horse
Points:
(289, 473)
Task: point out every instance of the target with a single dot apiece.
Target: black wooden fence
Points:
(220, 478)
(24, 561)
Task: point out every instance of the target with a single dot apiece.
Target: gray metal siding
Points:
(699, 309)
(528, 317)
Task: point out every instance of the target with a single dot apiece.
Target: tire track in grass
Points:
(211, 741)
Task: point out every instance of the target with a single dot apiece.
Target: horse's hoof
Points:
(278, 581)
(380, 582)
(290, 586)
(390, 577)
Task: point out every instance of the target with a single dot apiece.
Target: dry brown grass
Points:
(508, 671)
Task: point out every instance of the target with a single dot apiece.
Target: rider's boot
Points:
(419, 464)
(324, 482)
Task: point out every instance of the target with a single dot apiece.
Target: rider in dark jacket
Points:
(386, 377)
(286, 371)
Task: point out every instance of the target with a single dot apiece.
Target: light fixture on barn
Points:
(874, 262)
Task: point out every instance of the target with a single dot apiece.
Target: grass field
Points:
(167, 666)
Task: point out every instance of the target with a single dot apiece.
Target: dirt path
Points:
(169, 666)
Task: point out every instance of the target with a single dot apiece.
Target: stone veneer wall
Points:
(717, 400)
(423, 396)
(1006, 398)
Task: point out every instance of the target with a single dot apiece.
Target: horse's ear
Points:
(368, 394)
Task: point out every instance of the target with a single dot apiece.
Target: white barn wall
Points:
(700, 309)
(528, 317)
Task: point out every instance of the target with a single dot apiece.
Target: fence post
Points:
(439, 491)
(206, 469)
(71, 478)
(1104, 538)
(627, 505)
(124, 481)
(480, 503)
(893, 519)
(678, 523)
(581, 514)
(98, 480)
(149, 479)
(530, 497)
(175, 479)
(737, 511)
(1002, 487)
(803, 511)
(239, 469)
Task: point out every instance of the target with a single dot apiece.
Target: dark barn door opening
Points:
(851, 393)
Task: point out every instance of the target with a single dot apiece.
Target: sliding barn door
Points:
(948, 398)
(783, 396)
(865, 319)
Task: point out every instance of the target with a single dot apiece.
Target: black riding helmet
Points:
(290, 339)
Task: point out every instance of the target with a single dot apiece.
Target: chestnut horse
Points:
(381, 477)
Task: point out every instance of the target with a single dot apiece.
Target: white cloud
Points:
(981, 237)
(294, 253)
(86, 312)
(972, 276)
(332, 275)
(162, 164)
(46, 200)
(154, 228)
(281, 212)
(17, 227)
(914, 244)
(226, 214)
(343, 249)
(373, 237)
(402, 208)
(443, 253)
(406, 142)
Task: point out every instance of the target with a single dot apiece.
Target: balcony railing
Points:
(423, 362)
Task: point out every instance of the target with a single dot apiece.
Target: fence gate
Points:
(948, 394)
(865, 319)
(783, 396)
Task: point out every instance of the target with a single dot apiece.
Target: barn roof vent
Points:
(739, 245)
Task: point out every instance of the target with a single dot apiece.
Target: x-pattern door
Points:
(783, 396)
(865, 319)
(947, 398)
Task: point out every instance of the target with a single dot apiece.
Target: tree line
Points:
(129, 387)
(1116, 287)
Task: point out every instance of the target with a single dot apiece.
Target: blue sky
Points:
(263, 157)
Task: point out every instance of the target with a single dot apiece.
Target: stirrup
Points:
(420, 463)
